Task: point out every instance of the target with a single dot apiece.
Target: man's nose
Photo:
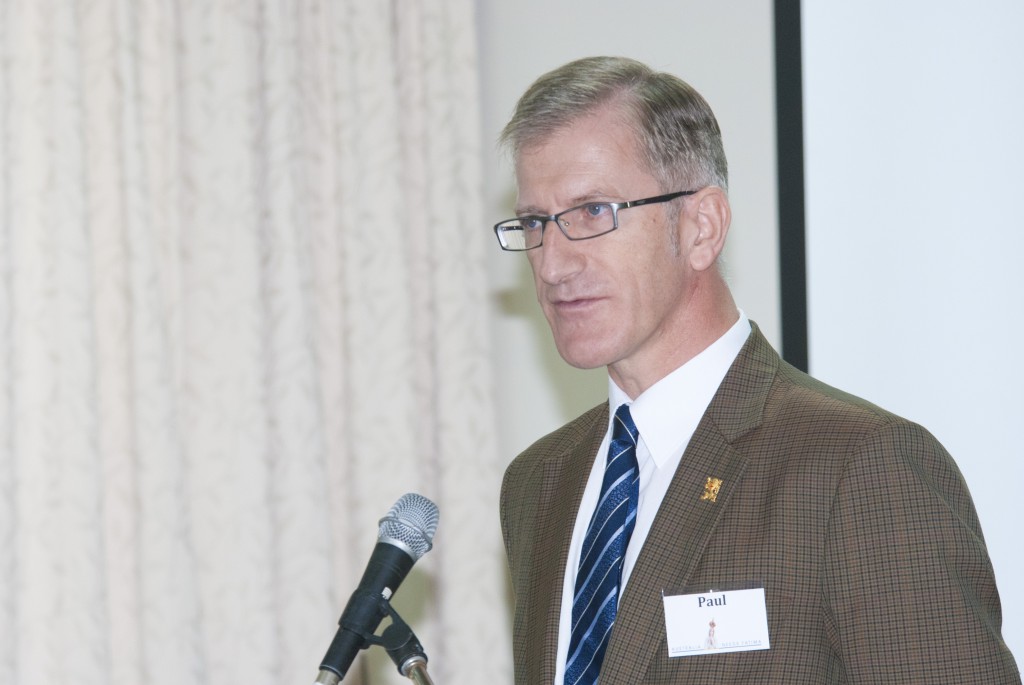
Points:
(558, 258)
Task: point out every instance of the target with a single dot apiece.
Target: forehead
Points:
(597, 154)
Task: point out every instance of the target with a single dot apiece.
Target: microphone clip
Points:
(398, 638)
(364, 608)
(404, 648)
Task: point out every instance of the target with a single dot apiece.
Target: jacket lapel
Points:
(686, 520)
(563, 481)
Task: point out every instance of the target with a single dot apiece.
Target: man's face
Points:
(617, 300)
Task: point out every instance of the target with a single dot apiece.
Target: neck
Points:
(711, 312)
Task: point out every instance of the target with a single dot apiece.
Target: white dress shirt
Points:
(666, 415)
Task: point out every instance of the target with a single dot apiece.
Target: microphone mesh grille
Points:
(411, 522)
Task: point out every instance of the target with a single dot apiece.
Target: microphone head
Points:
(410, 524)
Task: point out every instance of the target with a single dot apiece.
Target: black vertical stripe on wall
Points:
(790, 152)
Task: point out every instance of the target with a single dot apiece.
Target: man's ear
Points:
(711, 216)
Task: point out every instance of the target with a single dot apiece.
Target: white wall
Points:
(914, 114)
(724, 50)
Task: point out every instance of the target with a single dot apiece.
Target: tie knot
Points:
(623, 428)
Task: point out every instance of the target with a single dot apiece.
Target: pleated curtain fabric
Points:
(239, 318)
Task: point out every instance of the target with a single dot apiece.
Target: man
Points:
(724, 518)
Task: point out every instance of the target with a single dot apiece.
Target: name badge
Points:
(716, 622)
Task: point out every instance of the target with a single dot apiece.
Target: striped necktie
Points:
(596, 595)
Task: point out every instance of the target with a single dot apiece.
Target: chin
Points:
(583, 358)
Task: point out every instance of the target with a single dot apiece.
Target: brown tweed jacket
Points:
(856, 522)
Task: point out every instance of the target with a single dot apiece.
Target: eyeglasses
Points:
(586, 221)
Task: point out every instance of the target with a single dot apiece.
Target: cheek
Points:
(535, 274)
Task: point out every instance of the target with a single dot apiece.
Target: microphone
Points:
(405, 534)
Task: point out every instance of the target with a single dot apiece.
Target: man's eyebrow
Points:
(596, 196)
(531, 210)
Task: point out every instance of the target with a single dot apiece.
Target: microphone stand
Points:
(401, 644)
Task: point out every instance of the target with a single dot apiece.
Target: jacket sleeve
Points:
(909, 590)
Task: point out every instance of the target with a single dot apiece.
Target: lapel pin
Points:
(711, 488)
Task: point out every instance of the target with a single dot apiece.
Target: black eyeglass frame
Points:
(616, 206)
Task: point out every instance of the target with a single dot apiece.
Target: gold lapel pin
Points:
(711, 488)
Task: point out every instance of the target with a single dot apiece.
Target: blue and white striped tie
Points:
(596, 597)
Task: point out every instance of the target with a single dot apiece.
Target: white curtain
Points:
(242, 311)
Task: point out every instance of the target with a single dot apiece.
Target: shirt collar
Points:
(667, 413)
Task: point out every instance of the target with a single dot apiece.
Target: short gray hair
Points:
(678, 135)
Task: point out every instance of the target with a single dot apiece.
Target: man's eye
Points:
(596, 209)
(532, 223)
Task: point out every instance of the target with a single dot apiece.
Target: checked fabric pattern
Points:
(597, 582)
